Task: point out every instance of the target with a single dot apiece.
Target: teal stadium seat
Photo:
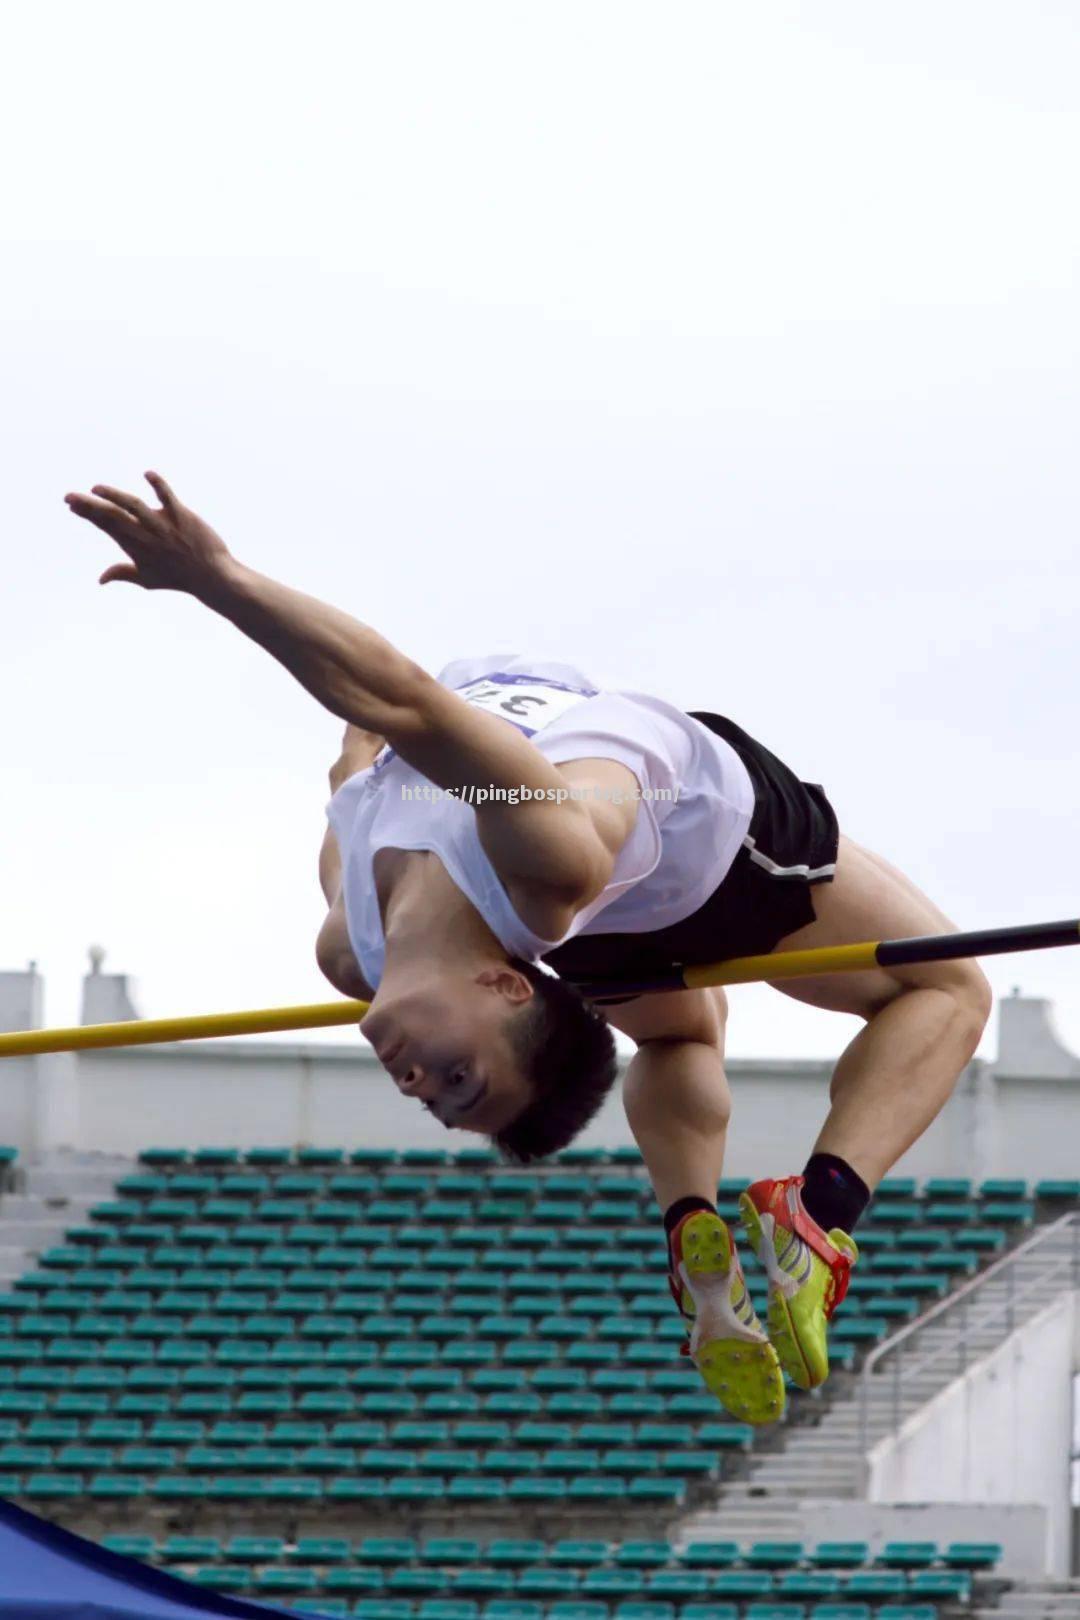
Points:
(908, 1555)
(973, 1555)
(710, 1554)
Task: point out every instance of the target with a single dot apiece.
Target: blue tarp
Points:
(49, 1574)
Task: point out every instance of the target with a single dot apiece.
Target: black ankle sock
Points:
(682, 1207)
(833, 1195)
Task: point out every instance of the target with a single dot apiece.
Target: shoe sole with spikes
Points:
(728, 1345)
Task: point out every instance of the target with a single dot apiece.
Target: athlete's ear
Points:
(508, 982)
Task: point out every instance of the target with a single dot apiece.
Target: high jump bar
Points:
(735, 970)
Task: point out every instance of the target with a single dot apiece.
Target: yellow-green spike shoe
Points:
(808, 1271)
(727, 1343)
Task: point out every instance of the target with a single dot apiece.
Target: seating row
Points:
(502, 1609)
(416, 1489)
(527, 1554)
(379, 1251)
(942, 1585)
(271, 1403)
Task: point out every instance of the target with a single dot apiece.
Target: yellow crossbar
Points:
(736, 970)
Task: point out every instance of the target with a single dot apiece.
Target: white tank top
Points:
(697, 800)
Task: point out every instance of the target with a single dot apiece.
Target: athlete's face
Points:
(446, 1046)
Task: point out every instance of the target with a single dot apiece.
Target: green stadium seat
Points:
(709, 1611)
(899, 1212)
(52, 1487)
(255, 1549)
(223, 1578)
(678, 1583)
(578, 1554)
(1003, 1188)
(950, 1214)
(656, 1490)
(131, 1546)
(448, 1609)
(951, 1585)
(808, 1583)
(775, 1554)
(612, 1582)
(636, 1609)
(386, 1550)
(1010, 1213)
(514, 1554)
(1058, 1191)
(879, 1583)
(906, 1611)
(775, 1611)
(542, 1581)
(642, 1554)
(939, 1188)
(470, 1488)
(747, 1583)
(907, 1555)
(450, 1550)
(405, 1580)
(41, 1431)
(285, 1578)
(268, 1158)
(973, 1555)
(383, 1608)
(190, 1550)
(709, 1554)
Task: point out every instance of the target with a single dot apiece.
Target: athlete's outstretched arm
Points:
(359, 676)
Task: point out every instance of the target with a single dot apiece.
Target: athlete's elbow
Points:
(587, 869)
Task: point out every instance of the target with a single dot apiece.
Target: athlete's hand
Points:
(170, 548)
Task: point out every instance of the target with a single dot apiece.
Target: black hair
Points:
(566, 1051)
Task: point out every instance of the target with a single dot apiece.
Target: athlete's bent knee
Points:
(975, 999)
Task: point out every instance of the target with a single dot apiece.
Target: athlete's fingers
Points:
(115, 523)
(127, 503)
(163, 493)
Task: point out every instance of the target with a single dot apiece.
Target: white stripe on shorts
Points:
(774, 870)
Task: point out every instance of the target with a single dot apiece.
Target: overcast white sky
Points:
(727, 351)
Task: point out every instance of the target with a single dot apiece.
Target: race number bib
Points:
(528, 703)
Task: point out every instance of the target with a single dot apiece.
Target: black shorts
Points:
(791, 845)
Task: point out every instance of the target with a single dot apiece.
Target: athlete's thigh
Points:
(869, 899)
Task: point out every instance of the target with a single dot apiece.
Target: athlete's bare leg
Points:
(923, 1023)
(675, 1090)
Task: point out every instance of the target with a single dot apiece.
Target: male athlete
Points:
(608, 836)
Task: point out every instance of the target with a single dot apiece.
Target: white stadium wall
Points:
(1002, 1433)
(1019, 1115)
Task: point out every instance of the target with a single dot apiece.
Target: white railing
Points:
(1050, 1250)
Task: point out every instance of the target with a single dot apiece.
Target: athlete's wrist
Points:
(228, 585)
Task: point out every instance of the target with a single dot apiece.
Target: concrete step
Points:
(79, 1181)
(33, 1236)
(35, 1207)
(793, 1463)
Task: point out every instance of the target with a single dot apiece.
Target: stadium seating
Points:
(295, 1334)
(461, 1579)
(351, 1326)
